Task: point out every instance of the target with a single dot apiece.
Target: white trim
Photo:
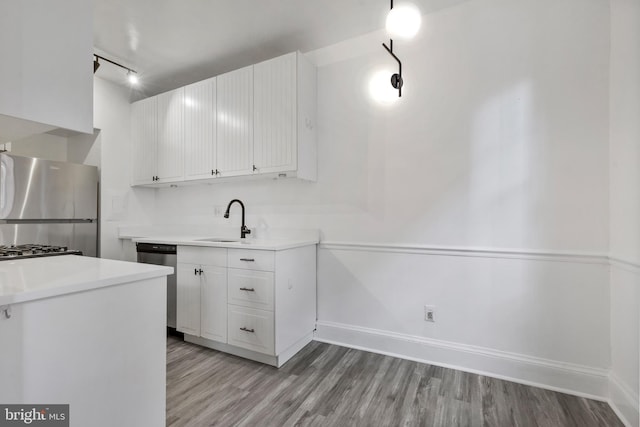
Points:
(623, 401)
(568, 378)
(624, 264)
(563, 256)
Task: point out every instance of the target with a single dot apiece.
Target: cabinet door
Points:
(144, 127)
(188, 299)
(214, 303)
(235, 122)
(170, 157)
(200, 130)
(275, 139)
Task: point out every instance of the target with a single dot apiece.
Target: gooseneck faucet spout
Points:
(243, 230)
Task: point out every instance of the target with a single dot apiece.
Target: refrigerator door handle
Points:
(49, 221)
(7, 187)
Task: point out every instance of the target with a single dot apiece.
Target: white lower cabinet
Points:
(188, 299)
(213, 304)
(253, 289)
(251, 329)
(201, 308)
(257, 304)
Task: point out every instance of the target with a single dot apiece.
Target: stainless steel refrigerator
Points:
(48, 202)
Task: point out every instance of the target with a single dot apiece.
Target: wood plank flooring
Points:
(328, 385)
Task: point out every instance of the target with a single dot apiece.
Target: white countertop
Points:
(248, 243)
(36, 278)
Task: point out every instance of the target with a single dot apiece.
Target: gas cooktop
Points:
(33, 251)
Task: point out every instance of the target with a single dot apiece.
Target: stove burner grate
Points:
(32, 250)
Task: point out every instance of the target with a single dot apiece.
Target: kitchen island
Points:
(86, 332)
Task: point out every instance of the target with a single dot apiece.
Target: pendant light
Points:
(403, 22)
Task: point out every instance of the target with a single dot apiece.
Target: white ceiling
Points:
(172, 43)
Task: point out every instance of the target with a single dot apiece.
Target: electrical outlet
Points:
(430, 313)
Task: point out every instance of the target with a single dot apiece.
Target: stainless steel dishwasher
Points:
(161, 254)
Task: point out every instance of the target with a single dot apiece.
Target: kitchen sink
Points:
(218, 240)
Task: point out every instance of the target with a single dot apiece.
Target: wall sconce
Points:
(403, 22)
(131, 74)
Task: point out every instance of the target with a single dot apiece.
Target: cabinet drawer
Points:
(252, 259)
(250, 288)
(251, 329)
(202, 255)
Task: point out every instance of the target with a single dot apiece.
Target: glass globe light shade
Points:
(403, 21)
(380, 88)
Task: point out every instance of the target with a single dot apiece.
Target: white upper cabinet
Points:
(144, 134)
(46, 78)
(274, 144)
(157, 133)
(235, 122)
(284, 116)
(170, 145)
(200, 130)
(256, 121)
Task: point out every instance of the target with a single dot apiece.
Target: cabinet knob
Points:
(200, 271)
(248, 289)
(247, 330)
(255, 168)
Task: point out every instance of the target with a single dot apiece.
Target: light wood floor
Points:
(327, 385)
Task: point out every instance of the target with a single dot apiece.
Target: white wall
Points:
(120, 204)
(498, 148)
(85, 149)
(42, 146)
(625, 207)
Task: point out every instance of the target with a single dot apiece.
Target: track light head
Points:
(133, 79)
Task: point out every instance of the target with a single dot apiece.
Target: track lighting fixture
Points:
(132, 76)
(402, 22)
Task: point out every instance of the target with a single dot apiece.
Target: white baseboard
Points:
(624, 402)
(583, 381)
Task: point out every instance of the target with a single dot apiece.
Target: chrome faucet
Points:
(243, 230)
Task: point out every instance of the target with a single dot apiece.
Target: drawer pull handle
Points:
(247, 330)
(247, 259)
(248, 289)
(195, 271)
